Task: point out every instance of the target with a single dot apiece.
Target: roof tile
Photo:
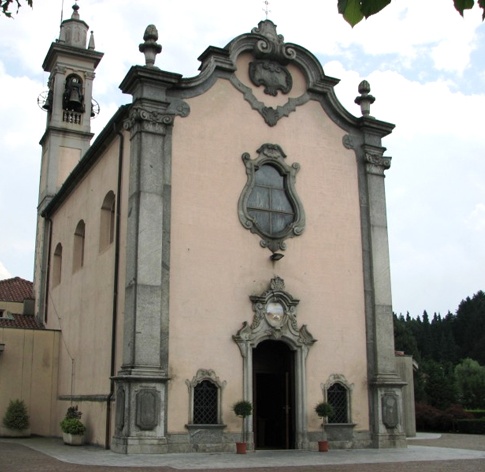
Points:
(20, 321)
(16, 290)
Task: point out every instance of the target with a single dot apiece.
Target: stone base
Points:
(388, 441)
(139, 445)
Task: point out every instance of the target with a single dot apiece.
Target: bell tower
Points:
(71, 61)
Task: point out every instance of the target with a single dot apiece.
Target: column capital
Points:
(376, 163)
(141, 119)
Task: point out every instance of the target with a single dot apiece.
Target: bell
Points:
(47, 104)
(74, 102)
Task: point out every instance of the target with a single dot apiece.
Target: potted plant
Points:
(16, 419)
(72, 427)
(242, 409)
(323, 410)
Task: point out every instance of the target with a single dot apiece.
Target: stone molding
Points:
(272, 75)
(272, 45)
(376, 163)
(267, 326)
(274, 155)
(141, 119)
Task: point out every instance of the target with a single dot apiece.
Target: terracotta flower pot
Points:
(241, 448)
(322, 446)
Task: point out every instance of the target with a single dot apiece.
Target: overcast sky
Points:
(426, 67)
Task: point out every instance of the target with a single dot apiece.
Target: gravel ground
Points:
(18, 458)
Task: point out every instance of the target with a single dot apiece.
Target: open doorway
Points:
(273, 396)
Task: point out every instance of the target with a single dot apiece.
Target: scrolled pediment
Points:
(275, 317)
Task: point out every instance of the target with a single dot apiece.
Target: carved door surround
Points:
(275, 319)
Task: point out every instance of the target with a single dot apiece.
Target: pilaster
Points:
(385, 386)
(141, 383)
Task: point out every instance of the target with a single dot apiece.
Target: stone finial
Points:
(150, 47)
(91, 42)
(364, 99)
(75, 13)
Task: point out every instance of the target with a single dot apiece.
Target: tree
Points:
(404, 339)
(438, 384)
(5, 6)
(355, 10)
(470, 380)
(469, 327)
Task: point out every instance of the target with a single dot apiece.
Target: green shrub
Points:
(243, 408)
(471, 426)
(72, 426)
(477, 413)
(16, 417)
(429, 418)
(324, 409)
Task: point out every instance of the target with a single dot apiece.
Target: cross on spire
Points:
(266, 8)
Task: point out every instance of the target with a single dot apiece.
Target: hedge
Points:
(470, 426)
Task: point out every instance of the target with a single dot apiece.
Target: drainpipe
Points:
(115, 291)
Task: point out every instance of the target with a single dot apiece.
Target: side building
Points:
(28, 358)
(223, 238)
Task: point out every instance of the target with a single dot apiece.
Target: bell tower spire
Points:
(71, 65)
(71, 62)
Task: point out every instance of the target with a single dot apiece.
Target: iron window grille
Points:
(205, 403)
(337, 396)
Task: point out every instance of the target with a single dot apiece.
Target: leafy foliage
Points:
(462, 5)
(429, 418)
(470, 379)
(73, 413)
(450, 352)
(243, 408)
(16, 417)
(72, 426)
(470, 426)
(5, 6)
(324, 409)
(354, 11)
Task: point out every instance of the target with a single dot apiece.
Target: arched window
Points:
(73, 98)
(337, 391)
(107, 221)
(337, 396)
(78, 253)
(205, 398)
(57, 265)
(205, 403)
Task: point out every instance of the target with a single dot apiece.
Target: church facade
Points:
(224, 238)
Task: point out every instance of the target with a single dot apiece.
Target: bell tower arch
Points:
(71, 62)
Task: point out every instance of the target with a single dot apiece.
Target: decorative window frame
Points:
(272, 154)
(340, 379)
(201, 376)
